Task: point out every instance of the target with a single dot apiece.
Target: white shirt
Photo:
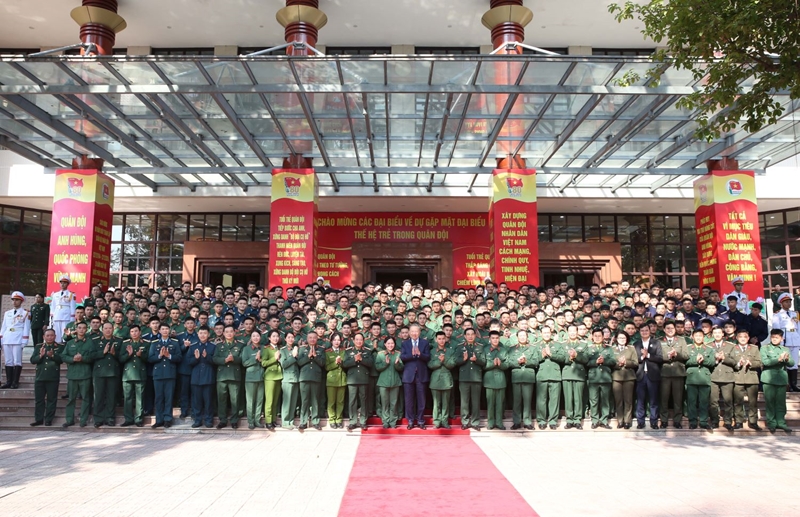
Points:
(741, 301)
(645, 346)
(16, 327)
(787, 321)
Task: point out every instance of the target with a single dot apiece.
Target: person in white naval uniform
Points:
(786, 320)
(14, 333)
(62, 308)
(742, 302)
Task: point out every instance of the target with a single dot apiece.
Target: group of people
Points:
(290, 357)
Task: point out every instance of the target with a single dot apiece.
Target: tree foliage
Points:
(741, 52)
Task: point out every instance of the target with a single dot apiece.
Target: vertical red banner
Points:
(292, 232)
(728, 237)
(80, 234)
(513, 227)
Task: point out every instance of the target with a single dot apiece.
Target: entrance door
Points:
(575, 279)
(396, 277)
(234, 276)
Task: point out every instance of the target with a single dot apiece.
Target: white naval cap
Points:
(64, 278)
(17, 295)
(737, 280)
(320, 278)
(784, 296)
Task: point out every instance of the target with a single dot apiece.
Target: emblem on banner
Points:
(74, 187)
(703, 189)
(292, 186)
(735, 187)
(514, 187)
(106, 191)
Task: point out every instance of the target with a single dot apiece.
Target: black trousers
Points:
(415, 400)
(647, 391)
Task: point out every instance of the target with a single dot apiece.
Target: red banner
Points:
(292, 234)
(728, 237)
(80, 234)
(513, 227)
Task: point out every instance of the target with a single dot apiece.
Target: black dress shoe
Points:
(464, 427)
(422, 426)
(628, 426)
(126, 424)
(755, 426)
(67, 424)
(692, 426)
(446, 426)
(221, 425)
(167, 425)
(516, 426)
(157, 425)
(639, 426)
(739, 426)
(183, 415)
(605, 426)
(410, 426)
(139, 424)
(553, 427)
(542, 427)
(251, 426)
(303, 427)
(501, 428)
(37, 423)
(235, 425)
(579, 427)
(48, 424)
(64, 397)
(97, 426)
(729, 427)
(567, 426)
(678, 426)
(771, 430)
(594, 426)
(209, 426)
(476, 427)
(195, 425)
(111, 423)
(318, 427)
(620, 426)
(529, 427)
(83, 424)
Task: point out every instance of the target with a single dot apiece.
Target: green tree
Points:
(725, 43)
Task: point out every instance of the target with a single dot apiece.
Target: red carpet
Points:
(427, 475)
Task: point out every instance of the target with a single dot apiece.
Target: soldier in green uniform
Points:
(335, 380)
(389, 365)
(47, 358)
(133, 358)
(748, 362)
(105, 376)
(290, 384)
(470, 361)
(698, 380)
(494, 381)
(357, 362)
(253, 380)
(228, 358)
(441, 362)
(311, 360)
(273, 377)
(548, 379)
(600, 362)
(79, 354)
(775, 358)
(722, 380)
(624, 379)
(40, 318)
(573, 378)
(522, 360)
(673, 375)
(374, 343)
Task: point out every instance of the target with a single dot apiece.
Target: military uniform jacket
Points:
(251, 362)
(550, 366)
(626, 372)
(106, 365)
(774, 371)
(524, 373)
(291, 371)
(494, 376)
(165, 367)
(600, 373)
(674, 367)
(699, 374)
(203, 369)
(79, 371)
(40, 315)
(16, 328)
(575, 369)
(357, 371)
(311, 368)
(62, 305)
(441, 376)
(723, 371)
(185, 366)
(470, 371)
(134, 367)
(746, 374)
(271, 364)
(48, 369)
(787, 321)
(231, 371)
(374, 345)
(336, 376)
(389, 376)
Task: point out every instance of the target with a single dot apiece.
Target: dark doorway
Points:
(553, 278)
(396, 277)
(234, 276)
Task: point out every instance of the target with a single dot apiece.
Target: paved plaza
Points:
(292, 474)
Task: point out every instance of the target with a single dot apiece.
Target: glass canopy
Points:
(368, 121)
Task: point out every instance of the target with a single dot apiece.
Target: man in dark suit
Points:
(415, 354)
(648, 376)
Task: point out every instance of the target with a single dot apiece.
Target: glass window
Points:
(11, 221)
(567, 228)
(632, 228)
(32, 225)
(117, 223)
(261, 228)
(197, 226)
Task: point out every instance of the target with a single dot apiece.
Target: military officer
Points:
(389, 366)
(186, 339)
(748, 361)
(548, 379)
(357, 362)
(624, 378)
(573, 378)
(786, 320)
(494, 381)
(311, 361)
(203, 369)
(105, 375)
(441, 362)
(40, 318)
(775, 359)
(15, 333)
(253, 380)
(62, 307)
(165, 354)
(47, 358)
(741, 298)
(335, 380)
(698, 380)
(522, 361)
(228, 358)
(290, 384)
(722, 380)
(133, 358)
(673, 375)
(78, 354)
(470, 361)
(600, 362)
(273, 375)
